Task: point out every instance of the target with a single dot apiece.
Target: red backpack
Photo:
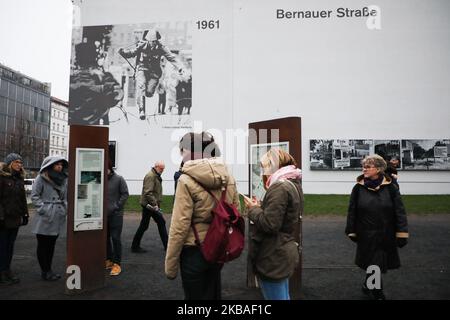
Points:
(225, 238)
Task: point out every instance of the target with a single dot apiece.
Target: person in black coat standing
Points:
(376, 221)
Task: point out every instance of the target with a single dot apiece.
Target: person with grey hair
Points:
(13, 212)
(151, 199)
(377, 222)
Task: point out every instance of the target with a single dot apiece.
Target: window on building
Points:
(64, 128)
(53, 126)
(62, 142)
(57, 127)
(53, 140)
(57, 141)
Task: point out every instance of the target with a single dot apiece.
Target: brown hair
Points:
(200, 143)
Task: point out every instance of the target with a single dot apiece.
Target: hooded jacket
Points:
(13, 201)
(376, 217)
(50, 200)
(194, 203)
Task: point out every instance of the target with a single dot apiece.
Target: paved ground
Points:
(328, 270)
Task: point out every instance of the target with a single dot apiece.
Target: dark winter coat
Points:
(13, 201)
(274, 252)
(117, 194)
(376, 217)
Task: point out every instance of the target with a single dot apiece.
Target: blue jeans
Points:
(275, 290)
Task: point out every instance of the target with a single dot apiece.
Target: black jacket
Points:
(377, 217)
(13, 201)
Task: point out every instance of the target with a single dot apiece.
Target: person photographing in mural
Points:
(93, 92)
(148, 53)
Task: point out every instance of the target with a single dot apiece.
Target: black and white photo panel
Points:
(413, 155)
(131, 73)
(426, 154)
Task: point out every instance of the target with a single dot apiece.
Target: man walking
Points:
(148, 53)
(151, 198)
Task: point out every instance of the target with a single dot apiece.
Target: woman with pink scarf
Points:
(274, 252)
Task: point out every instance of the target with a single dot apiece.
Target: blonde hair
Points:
(376, 161)
(276, 158)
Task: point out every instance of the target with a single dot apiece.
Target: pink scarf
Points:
(288, 172)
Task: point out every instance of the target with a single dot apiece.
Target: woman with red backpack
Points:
(203, 178)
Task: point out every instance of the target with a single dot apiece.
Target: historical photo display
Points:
(425, 154)
(89, 189)
(131, 73)
(338, 154)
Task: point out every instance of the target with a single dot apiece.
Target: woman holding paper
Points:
(274, 253)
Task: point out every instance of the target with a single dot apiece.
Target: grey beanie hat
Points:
(12, 157)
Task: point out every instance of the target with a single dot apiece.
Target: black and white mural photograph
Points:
(132, 73)
(426, 154)
(412, 154)
(389, 150)
(338, 154)
(321, 157)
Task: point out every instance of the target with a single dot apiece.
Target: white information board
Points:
(89, 189)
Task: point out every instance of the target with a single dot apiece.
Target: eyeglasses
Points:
(368, 167)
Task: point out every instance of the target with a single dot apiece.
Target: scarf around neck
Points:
(373, 184)
(287, 172)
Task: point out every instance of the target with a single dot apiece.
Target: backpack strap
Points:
(224, 192)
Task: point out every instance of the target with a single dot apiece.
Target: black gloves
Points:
(401, 242)
(353, 238)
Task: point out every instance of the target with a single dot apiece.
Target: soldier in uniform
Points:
(148, 53)
(92, 90)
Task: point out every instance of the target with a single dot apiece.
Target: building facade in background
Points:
(24, 117)
(59, 130)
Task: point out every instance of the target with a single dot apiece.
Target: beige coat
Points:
(192, 202)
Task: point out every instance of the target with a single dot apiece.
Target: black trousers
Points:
(143, 226)
(201, 279)
(113, 241)
(7, 239)
(45, 251)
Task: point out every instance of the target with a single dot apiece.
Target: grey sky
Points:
(35, 39)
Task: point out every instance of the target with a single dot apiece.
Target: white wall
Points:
(344, 80)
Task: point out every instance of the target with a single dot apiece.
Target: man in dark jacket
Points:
(117, 197)
(13, 212)
(376, 220)
(151, 199)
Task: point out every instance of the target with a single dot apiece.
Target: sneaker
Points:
(9, 275)
(141, 114)
(50, 276)
(109, 264)
(138, 250)
(116, 270)
(4, 281)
